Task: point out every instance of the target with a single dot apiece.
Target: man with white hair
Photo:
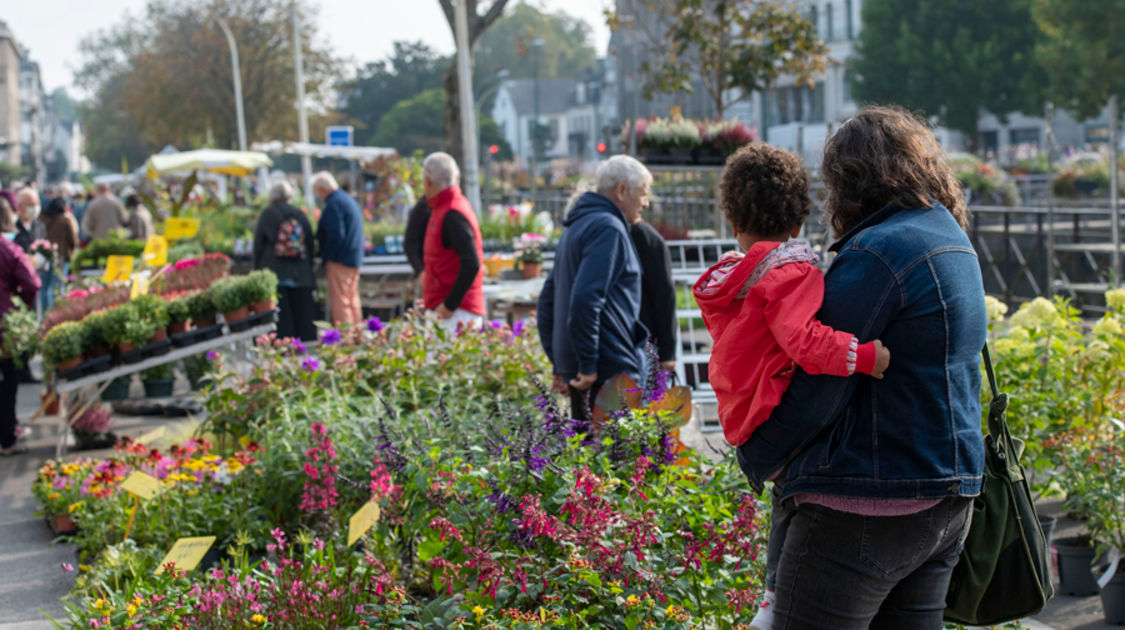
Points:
(589, 309)
(340, 234)
(453, 283)
(104, 214)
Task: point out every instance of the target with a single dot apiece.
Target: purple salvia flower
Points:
(310, 364)
(374, 324)
(212, 355)
(330, 337)
(299, 346)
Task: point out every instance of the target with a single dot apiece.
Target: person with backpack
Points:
(283, 243)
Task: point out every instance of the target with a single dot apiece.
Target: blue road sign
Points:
(339, 135)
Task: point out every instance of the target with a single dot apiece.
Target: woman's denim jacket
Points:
(910, 278)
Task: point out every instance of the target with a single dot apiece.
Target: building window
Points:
(848, 23)
(847, 86)
(814, 16)
(829, 27)
(795, 104)
(990, 142)
(1017, 137)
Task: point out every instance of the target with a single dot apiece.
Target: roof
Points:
(554, 95)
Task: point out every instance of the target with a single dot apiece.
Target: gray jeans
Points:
(842, 571)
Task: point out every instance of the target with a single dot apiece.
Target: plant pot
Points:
(118, 389)
(1047, 523)
(1075, 561)
(97, 352)
(203, 323)
(155, 349)
(124, 347)
(89, 441)
(51, 409)
(532, 270)
(69, 364)
(97, 365)
(263, 306)
(708, 156)
(158, 336)
(159, 387)
(234, 316)
(176, 328)
(1113, 600)
(62, 525)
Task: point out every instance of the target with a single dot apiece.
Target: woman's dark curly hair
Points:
(764, 190)
(885, 155)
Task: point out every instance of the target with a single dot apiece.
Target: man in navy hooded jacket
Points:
(589, 310)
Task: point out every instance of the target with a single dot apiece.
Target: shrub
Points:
(96, 332)
(200, 307)
(156, 372)
(229, 294)
(151, 308)
(260, 286)
(63, 343)
(21, 332)
(138, 332)
(114, 321)
(178, 311)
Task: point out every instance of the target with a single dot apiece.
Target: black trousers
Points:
(296, 313)
(9, 386)
(582, 402)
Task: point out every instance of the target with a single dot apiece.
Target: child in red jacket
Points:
(760, 308)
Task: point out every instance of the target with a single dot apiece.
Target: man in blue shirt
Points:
(340, 235)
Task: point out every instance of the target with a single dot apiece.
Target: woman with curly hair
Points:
(880, 474)
(760, 308)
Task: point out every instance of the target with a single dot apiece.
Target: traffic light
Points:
(494, 149)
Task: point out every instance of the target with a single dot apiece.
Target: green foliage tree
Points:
(733, 48)
(63, 106)
(482, 14)
(166, 77)
(949, 58)
(1082, 52)
(415, 124)
(412, 68)
(566, 47)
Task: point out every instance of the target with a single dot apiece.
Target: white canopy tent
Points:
(309, 149)
(241, 163)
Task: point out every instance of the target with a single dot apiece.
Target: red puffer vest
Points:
(442, 263)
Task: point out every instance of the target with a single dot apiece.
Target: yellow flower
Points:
(258, 619)
(52, 496)
(479, 611)
(1116, 299)
(131, 609)
(1108, 326)
(234, 465)
(74, 506)
(632, 600)
(996, 308)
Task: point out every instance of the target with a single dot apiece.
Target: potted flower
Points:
(1104, 503)
(96, 343)
(1075, 450)
(261, 289)
(530, 247)
(154, 310)
(158, 381)
(92, 428)
(230, 299)
(21, 332)
(43, 253)
(201, 310)
(179, 316)
(62, 346)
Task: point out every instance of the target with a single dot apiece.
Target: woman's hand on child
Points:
(882, 359)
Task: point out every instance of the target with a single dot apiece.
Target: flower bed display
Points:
(495, 510)
(677, 140)
(984, 184)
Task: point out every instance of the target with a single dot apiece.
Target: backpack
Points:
(290, 241)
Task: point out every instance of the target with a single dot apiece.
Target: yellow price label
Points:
(117, 269)
(138, 287)
(156, 251)
(186, 553)
(141, 485)
(362, 521)
(176, 227)
(151, 436)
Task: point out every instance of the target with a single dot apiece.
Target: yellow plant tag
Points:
(186, 553)
(117, 269)
(141, 485)
(176, 227)
(362, 521)
(156, 251)
(151, 436)
(139, 286)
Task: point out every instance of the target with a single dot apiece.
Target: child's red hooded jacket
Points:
(761, 312)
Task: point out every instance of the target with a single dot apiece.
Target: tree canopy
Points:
(412, 68)
(166, 77)
(1082, 52)
(733, 48)
(949, 58)
(509, 45)
(415, 124)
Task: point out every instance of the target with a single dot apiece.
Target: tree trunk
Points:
(453, 140)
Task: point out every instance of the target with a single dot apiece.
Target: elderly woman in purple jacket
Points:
(17, 278)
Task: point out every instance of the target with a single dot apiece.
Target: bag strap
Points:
(988, 368)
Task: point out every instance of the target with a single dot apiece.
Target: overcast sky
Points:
(360, 30)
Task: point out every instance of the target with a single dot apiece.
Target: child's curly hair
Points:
(764, 190)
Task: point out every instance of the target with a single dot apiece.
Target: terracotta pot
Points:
(62, 524)
(124, 347)
(176, 328)
(53, 408)
(158, 336)
(532, 270)
(203, 323)
(69, 363)
(263, 306)
(234, 316)
(97, 351)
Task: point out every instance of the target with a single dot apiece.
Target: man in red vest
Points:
(453, 279)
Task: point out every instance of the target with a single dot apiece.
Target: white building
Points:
(515, 111)
(34, 125)
(9, 97)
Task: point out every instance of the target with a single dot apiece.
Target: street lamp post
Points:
(237, 83)
(537, 44)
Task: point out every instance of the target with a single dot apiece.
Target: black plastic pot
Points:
(1076, 561)
(77, 371)
(88, 441)
(159, 387)
(1113, 600)
(97, 365)
(257, 319)
(133, 356)
(118, 389)
(184, 339)
(1048, 524)
(156, 349)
